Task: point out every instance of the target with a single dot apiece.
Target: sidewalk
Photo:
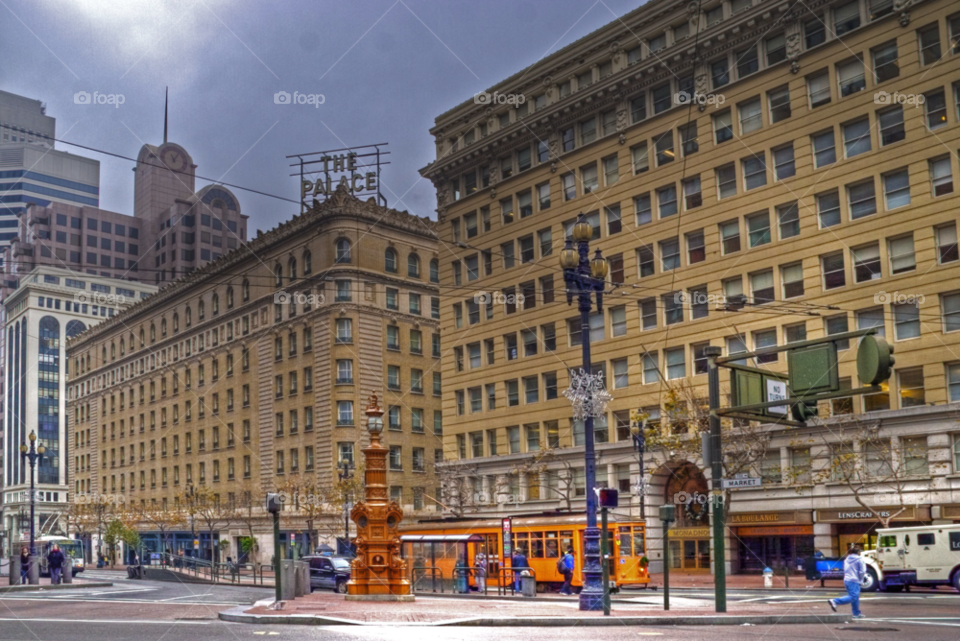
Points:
(79, 583)
(326, 608)
(738, 582)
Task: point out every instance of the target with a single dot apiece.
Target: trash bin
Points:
(767, 578)
(528, 584)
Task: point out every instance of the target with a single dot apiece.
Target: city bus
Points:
(71, 548)
(433, 549)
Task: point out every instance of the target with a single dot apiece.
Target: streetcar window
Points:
(551, 545)
(638, 542)
(566, 540)
(536, 545)
(625, 542)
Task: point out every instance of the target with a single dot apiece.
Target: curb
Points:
(237, 615)
(58, 586)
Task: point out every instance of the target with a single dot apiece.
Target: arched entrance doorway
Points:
(686, 487)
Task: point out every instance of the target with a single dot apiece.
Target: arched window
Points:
(103, 354)
(390, 261)
(215, 304)
(245, 289)
(343, 251)
(153, 333)
(413, 266)
(278, 275)
(113, 351)
(307, 262)
(229, 297)
(142, 342)
(200, 310)
(163, 327)
(434, 271)
(176, 322)
(189, 316)
(292, 268)
(76, 327)
(133, 344)
(123, 349)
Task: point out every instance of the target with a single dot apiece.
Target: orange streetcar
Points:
(438, 550)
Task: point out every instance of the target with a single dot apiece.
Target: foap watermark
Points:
(497, 298)
(497, 98)
(898, 298)
(297, 98)
(97, 98)
(701, 99)
(699, 298)
(897, 98)
(696, 498)
(299, 298)
(95, 498)
(100, 298)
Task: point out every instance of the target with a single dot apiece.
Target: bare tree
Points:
(321, 505)
(204, 504)
(557, 469)
(162, 518)
(458, 491)
(880, 470)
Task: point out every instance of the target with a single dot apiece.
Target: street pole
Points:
(584, 278)
(666, 566)
(33, 453)
(276, 554)
(604, 551)
(716, 477)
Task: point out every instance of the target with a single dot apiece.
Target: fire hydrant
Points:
(767, 578)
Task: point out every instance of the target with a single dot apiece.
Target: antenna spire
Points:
(166, 92)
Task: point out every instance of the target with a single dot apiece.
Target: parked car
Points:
(329, 572)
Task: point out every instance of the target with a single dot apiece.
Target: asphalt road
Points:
(158, 611)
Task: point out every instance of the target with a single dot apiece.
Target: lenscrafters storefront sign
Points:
(911, 513)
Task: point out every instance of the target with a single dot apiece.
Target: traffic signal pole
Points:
(716, 476)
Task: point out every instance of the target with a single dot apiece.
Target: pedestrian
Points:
(55, 563)
(24, 565)
(568, 564)
(480, 571)
(854, 570)
(518, 563)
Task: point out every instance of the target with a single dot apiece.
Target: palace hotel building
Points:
(800, 158)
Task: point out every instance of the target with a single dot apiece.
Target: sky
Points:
(385, 70)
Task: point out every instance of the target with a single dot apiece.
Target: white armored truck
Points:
(922, 556)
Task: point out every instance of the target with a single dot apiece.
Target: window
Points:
(611, 170)
(818, 88)
(661, 98)
(846, 18)
(779, 103)
(776, 48)
(699, 302)
(896, 189)
(910, 383)
(667, 200)
(543, 195)
(828, 209)
(691, 193)
(838, 325)
(676, 365)
(726, 178)
(588, 178)
(396, 458)
(856, 137)
(672, 308)
(935, 104)
(747, 61)
(791, 278)
(891, 126)
(947, 243)
(569, 184)
(730, 236)
(783, 164)
(621, 376)
(754, 171)
(851, 77)
(862, 200)
(696, 252)
(866, 263)
(614, 225)
(788, 216)
(824, 149)
(344, 330)
(761, 285)
(953, 381)
(941, 176)
(885, 66)
(720, 73)
(688, 138)
(651, 368)
(750, 116)
(670, 254)
(723, 127)
(758, 227)
(643, 209)
(929, 41)
(834, 274)
(344, 412)
(645, 261)
(871, 318)
(664, 148)
(766, 338)
(906, 321)
(648, 313)
(343, 252)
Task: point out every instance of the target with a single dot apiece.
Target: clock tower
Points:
(164, 175)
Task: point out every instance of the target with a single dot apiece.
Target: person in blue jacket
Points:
(519, 563)
(568, 564)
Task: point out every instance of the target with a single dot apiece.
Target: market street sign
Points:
(732, 484)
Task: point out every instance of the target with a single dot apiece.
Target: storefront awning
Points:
(445, 538)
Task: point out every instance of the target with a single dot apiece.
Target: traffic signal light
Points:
(804, 410)
(874, 360)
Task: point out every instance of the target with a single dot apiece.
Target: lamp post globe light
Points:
(35, 454)
(586, 278)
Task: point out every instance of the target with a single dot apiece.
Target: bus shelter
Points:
(439, 562)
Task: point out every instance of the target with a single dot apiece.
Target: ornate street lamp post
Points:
(35, 454)
(585, 278)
